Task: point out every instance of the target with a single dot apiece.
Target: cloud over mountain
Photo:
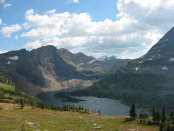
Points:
(138, 26)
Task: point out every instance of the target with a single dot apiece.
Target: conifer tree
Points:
(21, 103)
(172, 116)
(132, 112)
(158, 117)
(163, 117)
(154, 115)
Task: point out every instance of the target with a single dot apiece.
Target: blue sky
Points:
(125, 28)
(98, 9)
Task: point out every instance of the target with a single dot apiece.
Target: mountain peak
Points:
(48, 47)
(164, 46)
(169, 34)
(45, 50)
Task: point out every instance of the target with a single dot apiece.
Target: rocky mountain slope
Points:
(48, 68)
(101, 66)
(147, 80)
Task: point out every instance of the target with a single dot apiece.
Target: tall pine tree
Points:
(154, 115)
(163, 119)
(132, 112)
(158, 116)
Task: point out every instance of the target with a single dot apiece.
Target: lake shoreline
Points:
(106, 106)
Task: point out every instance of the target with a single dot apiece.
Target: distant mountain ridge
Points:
(48, 68)
(74, 58)
(147, 80)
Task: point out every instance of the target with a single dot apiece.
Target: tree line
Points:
(158, 117)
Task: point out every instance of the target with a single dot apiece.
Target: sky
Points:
(124, 28)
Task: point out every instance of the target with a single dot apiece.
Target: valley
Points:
(147, 79)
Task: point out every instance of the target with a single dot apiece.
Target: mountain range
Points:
(145, 80)
(48, 68)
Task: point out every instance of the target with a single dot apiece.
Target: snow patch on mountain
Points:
(14, 58)
(171, 59)
(92, 61)
(140, 62)
(8, 62)
(150, 59)
(80, 64)
(164, 68)
(137, 68)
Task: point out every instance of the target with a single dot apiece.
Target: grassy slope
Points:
(14, 118)
(9, 94)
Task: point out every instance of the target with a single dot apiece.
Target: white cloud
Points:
(33, 45)
(0, 21)
(3, 51)
(152, 14)
(55, 25)
(51, 11)
(8, 30)
(74, 1)
(79, 33)
(139, 25)
(40, 33)
(29, 12)
(7, 5)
